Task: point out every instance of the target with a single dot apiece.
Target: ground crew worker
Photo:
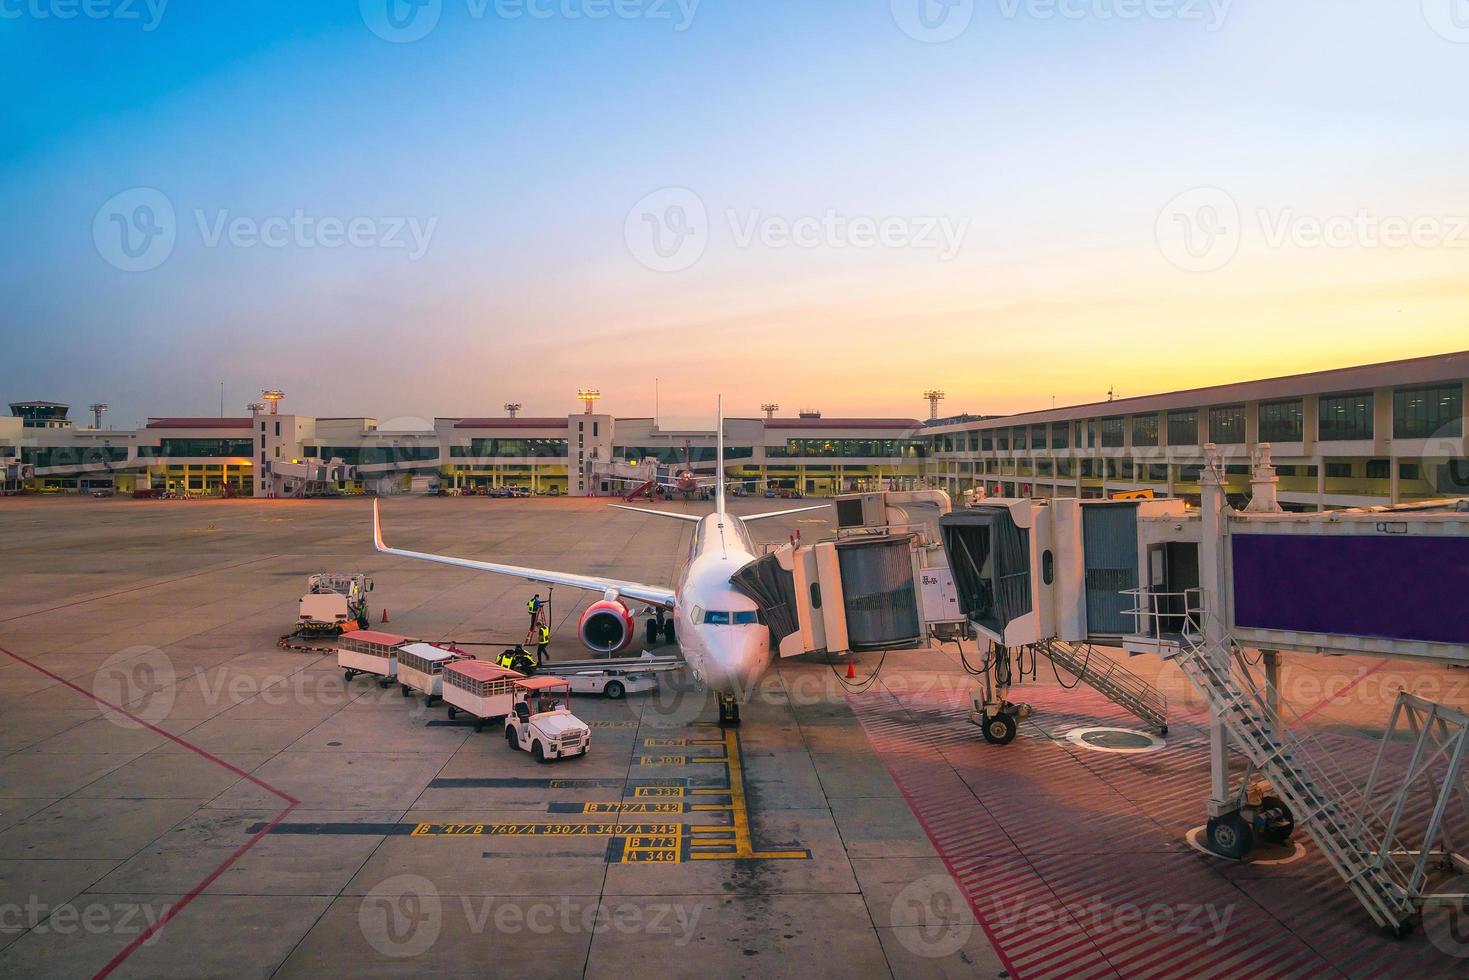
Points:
(534, 608)
(544, 640)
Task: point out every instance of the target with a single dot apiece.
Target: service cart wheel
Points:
(350, 674)
(510, 738)
(479, 724)
(404, 688)
(1229, 835)
(452, 712)
(536, 752)
(385, 683)
(652, 631)
(430, 699)
(998, 729)
(614, 690)
(1280, 833)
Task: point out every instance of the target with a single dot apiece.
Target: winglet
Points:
(377, 530)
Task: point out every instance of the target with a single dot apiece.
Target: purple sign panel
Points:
(1397, 587)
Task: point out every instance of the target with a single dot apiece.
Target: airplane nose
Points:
(737, 660)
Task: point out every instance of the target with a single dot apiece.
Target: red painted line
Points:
(135, 588)
(193, 893)
(1366, 673)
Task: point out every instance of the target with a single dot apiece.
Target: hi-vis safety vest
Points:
(545, 635)
(532, 606)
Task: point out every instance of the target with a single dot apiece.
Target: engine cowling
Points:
(606, 626)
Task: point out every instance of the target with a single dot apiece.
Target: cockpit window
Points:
(713, 617)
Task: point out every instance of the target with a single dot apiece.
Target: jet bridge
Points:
(880, 583)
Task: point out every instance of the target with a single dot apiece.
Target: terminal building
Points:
(1355, 437)
(1362, 436)
(286, 455)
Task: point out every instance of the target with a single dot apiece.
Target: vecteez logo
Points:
(933, 21)
(668, 230)
(146, 13)
(1449, 19)
(401, 21)
(1199, 230)
(136, 230)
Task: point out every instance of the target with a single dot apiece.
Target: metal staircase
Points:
(1110, 679)
(1324, 800)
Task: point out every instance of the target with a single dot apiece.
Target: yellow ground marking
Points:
(739, 814)
(675, 807)
(675, 791)
(544, 829)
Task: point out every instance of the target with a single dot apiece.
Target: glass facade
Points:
(199, 448)
(1183, 428)
(368, 455)
(1145, 430)
(1017, 437)
(1282, 421)
(1112, 433)
(1037, 437)
(1060, 435)
(1344, 417)
(849, 448)
(1426, 413)
(1227, 425)
(77, 456)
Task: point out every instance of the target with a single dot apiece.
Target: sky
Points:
(410, 208)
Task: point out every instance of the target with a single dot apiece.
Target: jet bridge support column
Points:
(1213, 506)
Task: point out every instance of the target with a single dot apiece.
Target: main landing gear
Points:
(660, 626)
(729, 711)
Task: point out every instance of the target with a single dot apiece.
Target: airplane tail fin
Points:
(719, 460)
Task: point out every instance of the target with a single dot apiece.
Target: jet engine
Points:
(606, 626)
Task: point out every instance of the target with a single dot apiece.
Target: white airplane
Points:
(717, 627)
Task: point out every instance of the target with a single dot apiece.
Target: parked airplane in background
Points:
(717, 627)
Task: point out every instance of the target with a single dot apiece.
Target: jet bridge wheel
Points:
(1284, 824)
(1229, 835)
(998, 729)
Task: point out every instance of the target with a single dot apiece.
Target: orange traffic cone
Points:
(851, 669)
(385, 614)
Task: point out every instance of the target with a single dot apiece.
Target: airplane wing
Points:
(675, 515)
(747, 518)
(652, 594)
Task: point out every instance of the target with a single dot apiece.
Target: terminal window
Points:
(1112, 437)
(1060, 435)
(1282, 421)
(1145, 430)
(1346, 417)
(1427, 413)
(1227, 425)
(1183, 428)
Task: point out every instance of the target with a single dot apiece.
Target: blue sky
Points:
(518, 146)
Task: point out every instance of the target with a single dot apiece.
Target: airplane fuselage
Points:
(718, 627)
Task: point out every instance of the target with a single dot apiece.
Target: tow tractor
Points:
(542, 722)
(334, 603)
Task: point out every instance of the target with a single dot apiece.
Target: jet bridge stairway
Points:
(1110, 679)
(1330, 808)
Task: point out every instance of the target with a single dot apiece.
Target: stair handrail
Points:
(1353, 819)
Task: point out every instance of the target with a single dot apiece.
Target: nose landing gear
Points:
(729, 711)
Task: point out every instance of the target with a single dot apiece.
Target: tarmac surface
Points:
(181, 797)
